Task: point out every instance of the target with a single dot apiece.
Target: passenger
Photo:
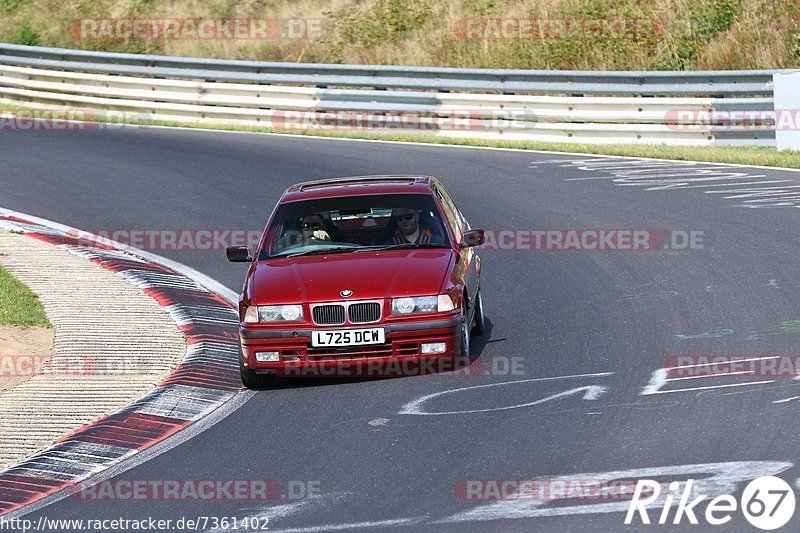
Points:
(410, 230)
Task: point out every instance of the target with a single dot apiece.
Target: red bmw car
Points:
(359, 272)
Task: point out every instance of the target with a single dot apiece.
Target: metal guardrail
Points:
(706, 83)
(576, 106)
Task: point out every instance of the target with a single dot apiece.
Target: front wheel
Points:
(479, 326)
(465, 330)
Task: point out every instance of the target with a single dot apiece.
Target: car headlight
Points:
(445, 303)
(422, 304)
(273, 313)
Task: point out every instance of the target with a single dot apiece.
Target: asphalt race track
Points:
(597, 324)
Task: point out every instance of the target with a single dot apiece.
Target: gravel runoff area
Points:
(112, 344)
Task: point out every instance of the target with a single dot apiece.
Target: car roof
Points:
(359, 185)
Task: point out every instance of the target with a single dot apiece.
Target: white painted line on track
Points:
(599, 157)
(713, 387)
(659, 379)
(591, 392)
(708, 185)
(723, 363)
(787, 399)
(721, 374)
(677, 175)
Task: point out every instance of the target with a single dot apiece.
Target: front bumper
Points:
(399, 355)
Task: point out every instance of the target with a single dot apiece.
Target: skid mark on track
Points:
(351, 526)
(266, 516)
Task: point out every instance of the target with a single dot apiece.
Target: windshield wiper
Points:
(404, 245)
(373, 248)
(321, 251)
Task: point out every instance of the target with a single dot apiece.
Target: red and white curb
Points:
(206, 378)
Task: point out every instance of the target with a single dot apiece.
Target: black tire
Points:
(465, 330)
(253, 380)
(479, 327)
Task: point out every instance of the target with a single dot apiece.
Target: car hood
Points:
(370, 275)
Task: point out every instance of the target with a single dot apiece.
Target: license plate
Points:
(347, 337)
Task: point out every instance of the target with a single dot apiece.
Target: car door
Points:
(468, 261)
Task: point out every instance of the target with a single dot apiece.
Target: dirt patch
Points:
(22, 352)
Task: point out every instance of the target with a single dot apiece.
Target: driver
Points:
(312, 228)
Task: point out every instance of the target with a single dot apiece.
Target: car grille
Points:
(364, 312)
(328, 315)
(356, 313)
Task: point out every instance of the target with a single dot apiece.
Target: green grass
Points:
(744, 155)
(18, 305)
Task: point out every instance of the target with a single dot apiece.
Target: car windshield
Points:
(351, 224)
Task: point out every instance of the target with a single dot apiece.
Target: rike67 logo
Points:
(767, 502)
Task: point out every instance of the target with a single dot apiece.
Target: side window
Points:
(451, 212)
(464, 224)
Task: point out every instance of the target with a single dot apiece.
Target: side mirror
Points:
(473, 237)
(238, 254)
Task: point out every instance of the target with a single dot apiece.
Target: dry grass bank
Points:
(669, 35)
